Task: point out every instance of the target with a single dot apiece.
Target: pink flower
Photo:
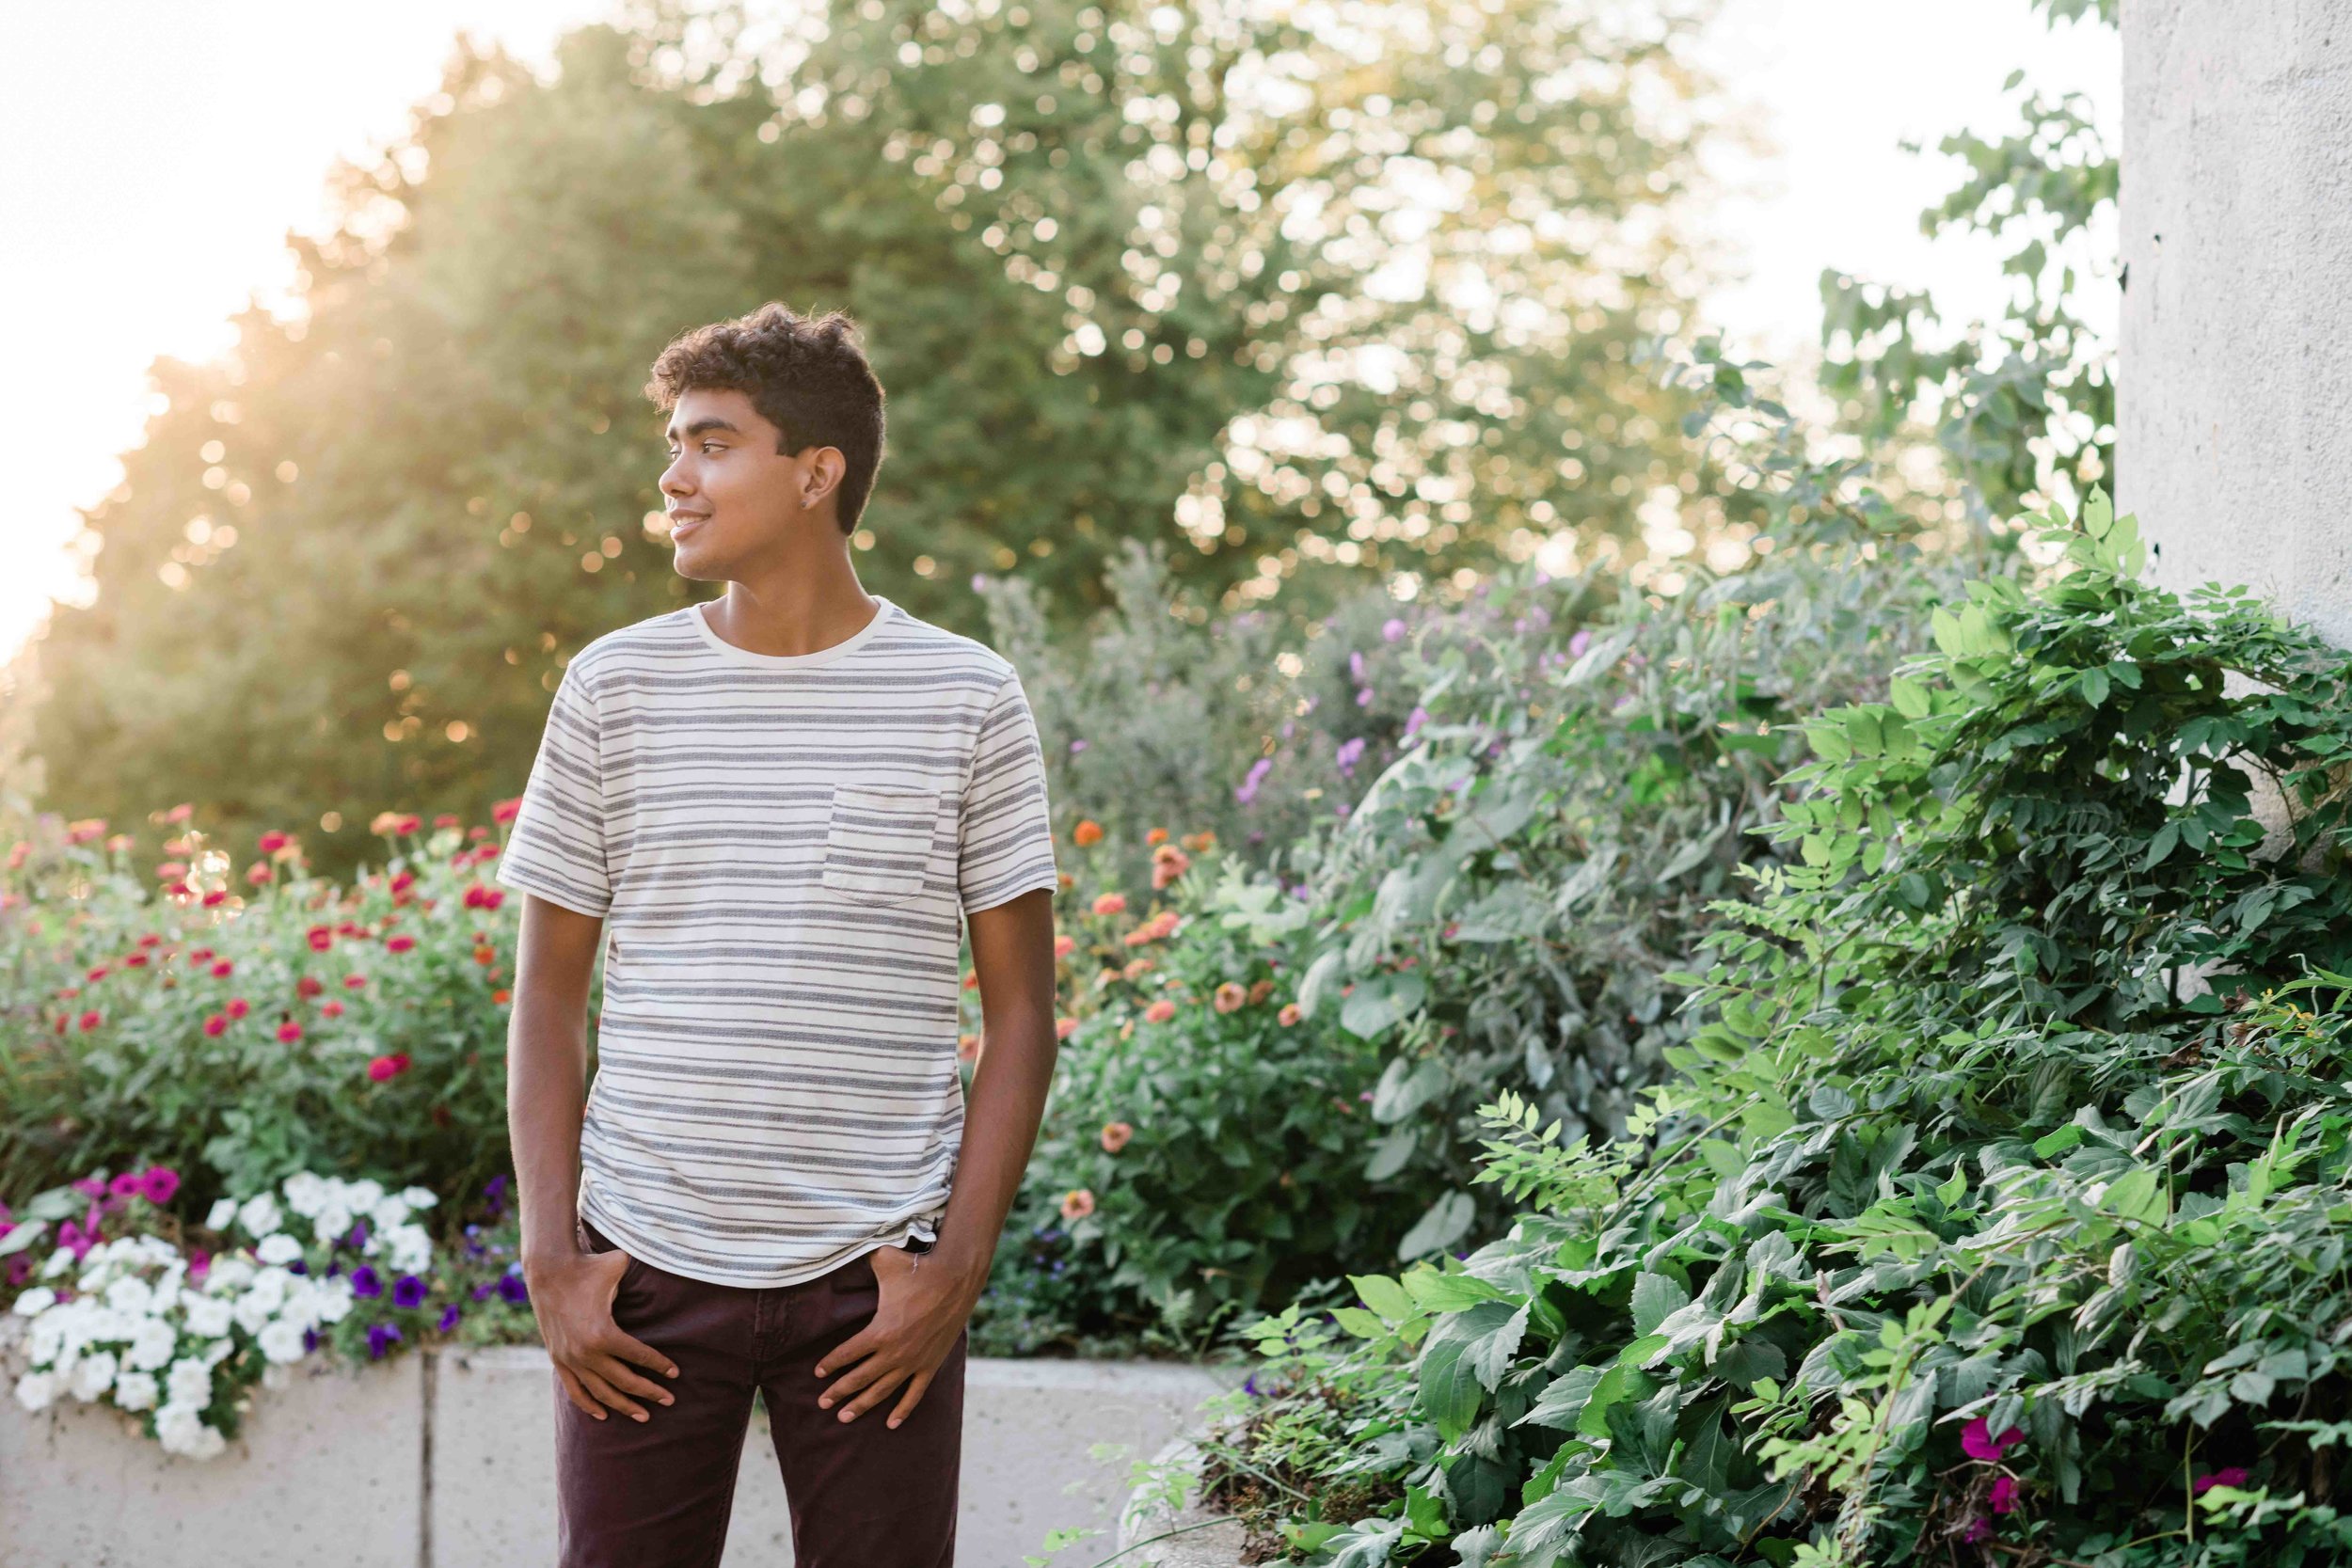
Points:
(2234, 1474)
(1076, 1204)
(1978, 1442)
(288, 1032)
(216, 1026)
(125, 1184)
(157, 1183)
(1979, 1527)
(400, 944)
(1160, 1011)
(2004, 1494)
(384, 1068)
(1110, 903)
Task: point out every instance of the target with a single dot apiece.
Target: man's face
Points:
(732, 498)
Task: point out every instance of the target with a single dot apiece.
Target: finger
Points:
(917, 1386)
(607, 1394)
(857, 1377)
(574, 1392)
(863, 1343)
(623, 1376)
(880, 1390)
(627, 1348)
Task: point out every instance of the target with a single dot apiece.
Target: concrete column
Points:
(2234, 418)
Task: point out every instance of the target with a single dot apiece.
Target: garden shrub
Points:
(1510, 903)
(2001, 1211)
(241, 1033)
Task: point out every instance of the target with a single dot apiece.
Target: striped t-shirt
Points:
(782, 847)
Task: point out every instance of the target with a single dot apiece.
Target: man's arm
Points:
(927, 1299)
(546, 1095)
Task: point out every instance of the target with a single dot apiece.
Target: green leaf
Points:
(1656, 1298)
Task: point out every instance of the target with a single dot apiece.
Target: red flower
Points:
(222, 970)
(353, 982)
(447, 819)
(322, 938)
(505, 811)
(384, 1068)
(273, 841)
(216, 895)
(217, 1024)
(98, 972)
(288, 1032)
(308, 986)
(90, 1021)
(400, 944)
(332, 1008)
(239, 1006)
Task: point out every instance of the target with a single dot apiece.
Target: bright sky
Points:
(150, 167)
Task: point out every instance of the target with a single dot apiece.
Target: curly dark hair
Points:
(807, 377)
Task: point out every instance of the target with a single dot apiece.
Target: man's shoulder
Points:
(655, 637)
(939, 646)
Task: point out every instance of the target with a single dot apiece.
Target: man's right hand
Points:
(572, 1295)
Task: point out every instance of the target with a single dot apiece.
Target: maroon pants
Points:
(657, 1494)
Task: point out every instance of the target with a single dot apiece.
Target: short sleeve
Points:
(557, 848)
(1005, 845)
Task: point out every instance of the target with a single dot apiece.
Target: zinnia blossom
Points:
(400, 944)
(506, 811)
(1115, 1137)
(288, 1032)
(1065, 1027)
(1229, 996)
(1288, 1016)
(384, 1068)
(1088, 831)
(1076, 1204)
(1110, 903)
(1160, 1011)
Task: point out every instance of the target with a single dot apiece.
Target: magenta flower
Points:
(1979, 1527)
(1390, 629)
(1978, 1442)
(2004, 1494)
(90, 1186)
(2234, 1474)
(123, 1185)
(157, 1183)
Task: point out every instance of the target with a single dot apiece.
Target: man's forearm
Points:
(547, 1079)
(1000, 1123)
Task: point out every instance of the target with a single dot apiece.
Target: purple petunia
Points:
(1349, 751)
(365, 1282)
(449, 1315)
(380, 1338)
(1246, 790)
(310, 1341)
(512, 1288)
(482, 1292)
(407, 1291)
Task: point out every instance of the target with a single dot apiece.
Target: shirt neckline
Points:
(847, 645)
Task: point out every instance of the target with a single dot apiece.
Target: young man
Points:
(776, 811)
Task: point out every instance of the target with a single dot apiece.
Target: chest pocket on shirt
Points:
(878, 842)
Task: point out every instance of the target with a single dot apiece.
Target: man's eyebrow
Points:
(699, 426)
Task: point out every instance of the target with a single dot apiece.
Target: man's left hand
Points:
(922, 1308)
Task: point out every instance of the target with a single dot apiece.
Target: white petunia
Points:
(33, 1303)
(389, 1211)
(132, 1296)
(277, 1247)
(93, 1375)
(411, 1249)
(222, 1214)
(58, 1263)
(207, 1317)
(135, 1390)
(333, 1301)
(363, 1194)
(182, 1429)
(259, 1215)
(47, 1338)
(333, 1223)
(420, 1198)
(36, 1390)
(305, 1192)
(217, 1352)
(152, 1345)
(189, 1383)
(228, 1276)
(282, 1342)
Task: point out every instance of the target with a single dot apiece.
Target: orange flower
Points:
(1260, 991)
(1115, 1137)
(972, 980)
(1199, 843)
(1229, 996)
(1138, 968)
(1065, 1027)
(1157, 835)
(1288, 1016)
(1169, 864)
(1064, 946)
(1076, 1204)
(1160, 1011)
(968, 1048)
(1110, 903)
(1088, 831)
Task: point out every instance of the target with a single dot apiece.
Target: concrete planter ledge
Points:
(445, 1459)
(1195, 1537)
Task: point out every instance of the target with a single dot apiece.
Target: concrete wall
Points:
(447, 1461)
(2234, 428)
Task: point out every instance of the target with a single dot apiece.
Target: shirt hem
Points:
(626, 1239)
